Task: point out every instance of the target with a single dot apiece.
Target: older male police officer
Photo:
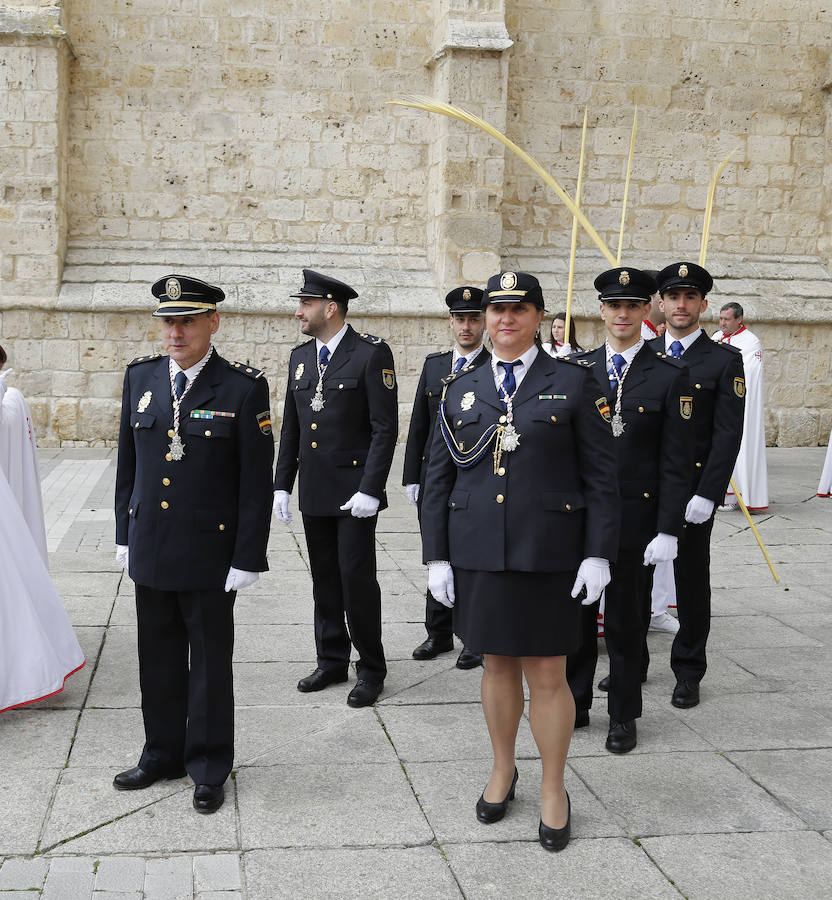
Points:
(338, 436)
(192, 522)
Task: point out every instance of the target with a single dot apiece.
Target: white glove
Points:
(663, 548)
(412, 493)
(698, 510)
(280, 507)
(362, 505)
(123, 556)
(594, 575)
(238, 579)
(441, 583)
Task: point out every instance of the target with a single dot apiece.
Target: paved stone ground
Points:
(731, 799)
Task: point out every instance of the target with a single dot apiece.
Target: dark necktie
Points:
(459, 364)
(509, 384)
(180, 380)
(676, 349)
(618, 364)
(323, 356)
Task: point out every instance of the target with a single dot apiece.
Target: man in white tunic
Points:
(750, 474)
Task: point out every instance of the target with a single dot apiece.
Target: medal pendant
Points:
(317, 402)
(511, 438)
(177, 448)
(617, 425)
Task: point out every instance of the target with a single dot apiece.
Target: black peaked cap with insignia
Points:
(513, 287)
(625, 284)
(181, 295)
(464, 299)
(322, 287)
(685, 274)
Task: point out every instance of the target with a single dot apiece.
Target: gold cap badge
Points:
(508, 281)
(683, 271)
(624, 278)
(173, 289)
(466, 294)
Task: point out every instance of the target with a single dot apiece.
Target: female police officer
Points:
(520, 495)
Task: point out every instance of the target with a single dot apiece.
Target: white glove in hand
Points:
(123, 556)
(594, 575)
(698, 510)
(361, 505)
(238, 579)
(663, 548)
(280, 507)
(412, 493)
(441, 583)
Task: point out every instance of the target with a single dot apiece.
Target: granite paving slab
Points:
(108, 738)
(116, 681)
(24, 799)
(761, 631)
(35, 738)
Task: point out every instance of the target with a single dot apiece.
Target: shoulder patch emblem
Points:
(388, 377)
(685, 407)
(739, 387)
(264, 420)
(604, 409)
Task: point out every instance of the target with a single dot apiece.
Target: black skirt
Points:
(516, 613)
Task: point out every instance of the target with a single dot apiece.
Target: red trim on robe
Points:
(45, 696)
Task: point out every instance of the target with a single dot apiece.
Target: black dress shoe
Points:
(685, 694)
(604, 683)
(432, 647)
(320, 679)
(489, 813)
(581, 718)
(468, 659)
(622, 736)
(556, 839)
(208, 798)
(136, 779)
(365, 693)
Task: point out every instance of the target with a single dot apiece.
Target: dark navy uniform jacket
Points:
(187, 522)
(717, 381)
(655, 452)
(425, 407)
(347, 446)
(552, 502)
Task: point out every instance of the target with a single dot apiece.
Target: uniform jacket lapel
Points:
(536, 379)
(481, 382)
(342, 353)
(204, 387)
(159, 386)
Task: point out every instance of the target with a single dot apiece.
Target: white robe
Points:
(19, 460)
(750, 473)
(825, 485)
(556, 350)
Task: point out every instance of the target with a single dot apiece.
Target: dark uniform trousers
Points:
(438, 617)
(654, 459)
(186, 523)
(718, 386)
(344, 447)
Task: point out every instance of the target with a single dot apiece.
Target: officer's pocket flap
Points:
(563, 501)
(351, 458)
(638, 490)
(215, 520)
(342, 384)
(556, 415)
(642, 406)
(302, 384)
(433, 390)
(465, 417)
(459, 500)
(142, 420)
(704, 384)
(209, 428)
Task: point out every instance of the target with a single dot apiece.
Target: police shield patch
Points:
(603, 408)
(686, 407)
(739, 387)
(264, 420)
(388, 376)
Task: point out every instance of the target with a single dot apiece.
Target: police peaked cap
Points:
(625, 283)
(465, 299)
(685, 274)
(322, 287)
(513, 287)
(180, 295)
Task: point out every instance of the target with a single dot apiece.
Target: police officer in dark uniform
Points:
(338, 436)
(468, 324)
(192, 511)
(652, 408)
(717, 384)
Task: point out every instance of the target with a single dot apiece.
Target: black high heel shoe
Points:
(488, 813)
(556, 838)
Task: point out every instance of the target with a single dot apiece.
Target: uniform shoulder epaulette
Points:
(302, 344)
(670, 359)
(246, 369)
(141, 359)
(730, 347)
(438, 353)
(370, 338)
(577, 359)
(454, 375)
